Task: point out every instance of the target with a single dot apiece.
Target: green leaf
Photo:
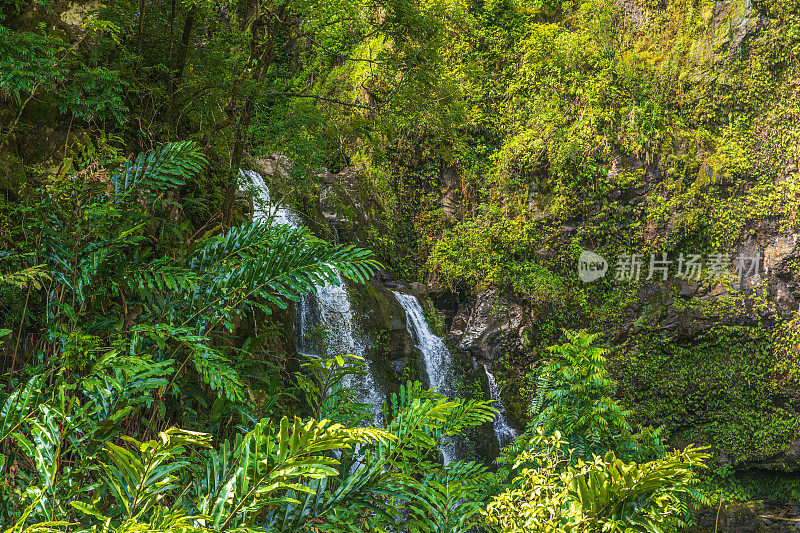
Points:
(88, 509)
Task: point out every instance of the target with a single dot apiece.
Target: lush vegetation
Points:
(151, 380)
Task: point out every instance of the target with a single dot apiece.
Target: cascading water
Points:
(328, 308)
(336, 315)
(504, 433)
(436, 356)
(439, 369)
(263, 207)
(438, 364)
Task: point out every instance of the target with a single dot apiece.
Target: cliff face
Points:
(715, 358)
(712, 360)
(652, 127)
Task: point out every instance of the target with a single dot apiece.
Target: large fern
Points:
(276, 263)
(151, 173)
(446, 501)
(33, 276)
(256, 471)
(184, 302)
(575, 397)
(381, 485)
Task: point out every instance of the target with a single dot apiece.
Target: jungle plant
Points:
(280, 476)
(574, 396)
(397, 482)
(111, 278)
(555, 494)
(123, 323)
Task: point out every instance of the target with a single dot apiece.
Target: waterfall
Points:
(439, 369)
(343, 337)
(263, 207)
(438, 364)
(436, 357)
(504, 433)
(329, 308)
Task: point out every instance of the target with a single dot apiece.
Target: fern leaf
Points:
(33, 276)
(151, 173)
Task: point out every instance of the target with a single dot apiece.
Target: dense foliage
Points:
(603, 494)
(151, 378)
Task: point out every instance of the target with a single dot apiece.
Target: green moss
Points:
(377, 309)
(724, 389)
(432, 316)
(12, 172)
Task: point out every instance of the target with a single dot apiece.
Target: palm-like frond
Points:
(272, 262)
(258, 469)
(446, 502)
(163, 277)
(162, 168)
(140, 478)
(35, 276)
(213, 366)
(380, 483)
(422, 419)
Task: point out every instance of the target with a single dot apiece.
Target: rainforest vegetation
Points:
(186, 185)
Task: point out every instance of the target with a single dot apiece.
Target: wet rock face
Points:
(276, 165)
(751, 517)
(793, 453)
(451, 193)
(345, 206)
(383, 321)
(489, 326)
(781, 270)
(67, 17)
(764, 292)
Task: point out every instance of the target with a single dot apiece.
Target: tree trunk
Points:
(180, 66)
(141, 25)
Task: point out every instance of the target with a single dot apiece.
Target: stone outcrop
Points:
(489, 326)
(752, 517)
(65, 17)
(275, 166)
(451, 193)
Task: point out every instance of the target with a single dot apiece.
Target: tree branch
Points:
(325, 99)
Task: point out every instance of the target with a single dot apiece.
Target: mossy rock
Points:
(12, 172)
(382, 320)
(727, 389)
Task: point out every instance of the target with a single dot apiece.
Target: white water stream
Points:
(326, 313)
(325, 325)
(504, 433)
(439, 368)
(435, 355)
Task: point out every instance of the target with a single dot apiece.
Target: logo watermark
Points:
(592, 266)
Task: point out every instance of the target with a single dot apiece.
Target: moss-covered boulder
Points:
(382, 320)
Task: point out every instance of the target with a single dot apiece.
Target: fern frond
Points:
(162, 276)
(217, 371)
(544, 386)
(253, 473)
(240, 242)
(153, 172)
(212, 365)
(34, 276)
(277, 263)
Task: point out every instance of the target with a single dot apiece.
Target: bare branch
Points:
(326, 99)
